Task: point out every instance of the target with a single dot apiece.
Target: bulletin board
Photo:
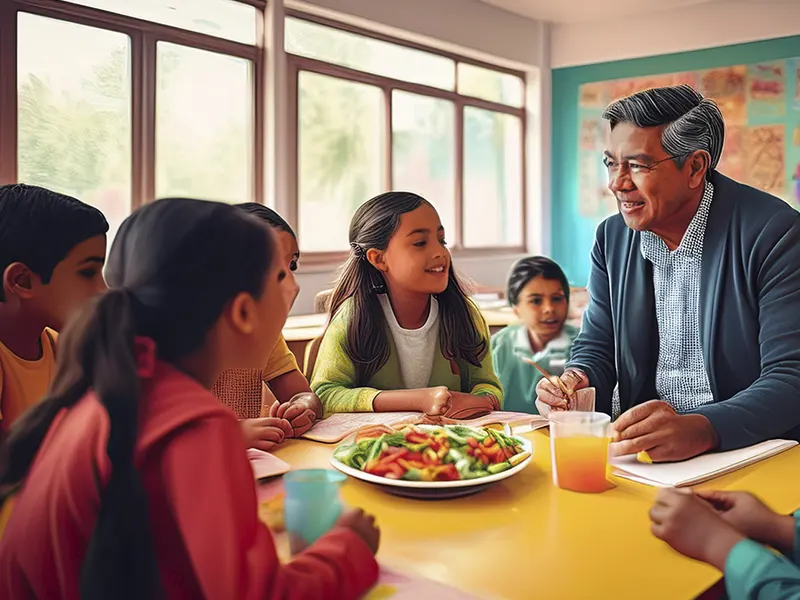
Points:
(761, 106)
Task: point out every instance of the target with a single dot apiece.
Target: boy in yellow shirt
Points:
(52, 252)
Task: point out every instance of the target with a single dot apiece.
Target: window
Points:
(340, 139)
(490, 85)
(368, 54)
(73, 116)
(227, 19)
(204, 125)
(376, 115)
(423, 151)
(492, 179)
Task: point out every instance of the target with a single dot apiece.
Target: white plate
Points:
(433, 489)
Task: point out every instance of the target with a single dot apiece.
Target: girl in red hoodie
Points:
(133, 480)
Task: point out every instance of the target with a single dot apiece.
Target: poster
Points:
(761, 107)
(766, 90)
(764, 151)
(727, 87)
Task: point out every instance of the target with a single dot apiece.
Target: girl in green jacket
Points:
(403, 336)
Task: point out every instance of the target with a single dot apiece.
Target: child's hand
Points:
(752, 518)
(265, 433)
(692, 527)
(436, 401)
(301, 411)
(467, 406)
(364, 525)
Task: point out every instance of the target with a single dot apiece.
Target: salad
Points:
(431, 453)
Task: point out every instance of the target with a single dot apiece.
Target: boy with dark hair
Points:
(538, 291)
(52, 252)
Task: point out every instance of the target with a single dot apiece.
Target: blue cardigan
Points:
(749, 316)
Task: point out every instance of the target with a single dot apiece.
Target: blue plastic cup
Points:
(311, 505)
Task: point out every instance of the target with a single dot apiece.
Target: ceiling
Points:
(577, 11)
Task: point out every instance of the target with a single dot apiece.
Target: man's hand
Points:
(655, 427)
(550, 397)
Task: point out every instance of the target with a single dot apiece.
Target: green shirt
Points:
(519, 378)
(334, 377)
(753, 572)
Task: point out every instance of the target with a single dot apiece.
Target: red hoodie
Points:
(201, 500)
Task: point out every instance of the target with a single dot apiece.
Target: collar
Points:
(655, 250)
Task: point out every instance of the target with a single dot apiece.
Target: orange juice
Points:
(580, 463)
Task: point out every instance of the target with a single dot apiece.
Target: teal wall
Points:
(572, 234)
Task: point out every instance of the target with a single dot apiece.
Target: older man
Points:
(692, 331)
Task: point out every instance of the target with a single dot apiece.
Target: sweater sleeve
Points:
(483, 379)
(594, 349)
(232, 552)
(769, 407)
(753, 572)
(334, 378)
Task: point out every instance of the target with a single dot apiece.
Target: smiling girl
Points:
(538, 291)
(403, 336)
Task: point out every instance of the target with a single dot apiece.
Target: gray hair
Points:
(692, 121)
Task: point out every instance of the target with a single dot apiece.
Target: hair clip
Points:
(358, 251)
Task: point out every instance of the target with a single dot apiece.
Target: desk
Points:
(299, 330)
(523, 538)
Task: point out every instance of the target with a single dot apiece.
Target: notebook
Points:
(699, 469)
(339, 425)
(396, 586)
(266, 465)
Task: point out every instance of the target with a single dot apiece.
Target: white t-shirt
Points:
(415, 347)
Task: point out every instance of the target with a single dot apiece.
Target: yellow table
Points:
(524, 538)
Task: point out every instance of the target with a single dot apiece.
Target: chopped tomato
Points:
(414, 456)
(446, 472)
(472, 442)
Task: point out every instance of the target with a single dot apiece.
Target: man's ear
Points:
(242, 314)
(376, 259)
(19, 280)
(699, 165)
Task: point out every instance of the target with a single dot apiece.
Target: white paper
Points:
(698, 469)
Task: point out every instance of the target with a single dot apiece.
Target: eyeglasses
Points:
(634, 168)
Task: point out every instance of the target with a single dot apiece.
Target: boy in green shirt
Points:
(538, 291)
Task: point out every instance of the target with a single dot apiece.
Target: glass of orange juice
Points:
(579, 449)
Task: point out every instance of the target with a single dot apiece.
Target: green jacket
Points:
(753, 572)
(333, 379)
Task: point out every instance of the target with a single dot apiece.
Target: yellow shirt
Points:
(280, 361)
(241, 389)
(24, 382)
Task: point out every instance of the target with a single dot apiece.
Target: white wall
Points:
(675, 30)
(470, 28)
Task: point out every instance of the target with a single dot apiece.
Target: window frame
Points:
(296, 64)
(144, 37)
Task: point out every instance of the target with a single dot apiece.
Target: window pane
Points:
(494, 86)
(74, 123)
(226, 19)
(204, 125)
(492, 179)
(423, 157)
(341, 151)
(368, 54)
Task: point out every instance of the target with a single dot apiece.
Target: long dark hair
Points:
(373, 225)
(174, 265)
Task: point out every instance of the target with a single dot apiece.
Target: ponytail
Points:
(97, 351)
